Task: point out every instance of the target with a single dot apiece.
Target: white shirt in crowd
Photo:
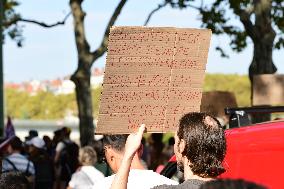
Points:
(85, 178)
(138, 179)
(61, 145)
(20, 162)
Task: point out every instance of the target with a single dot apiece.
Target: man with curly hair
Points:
(200, 148)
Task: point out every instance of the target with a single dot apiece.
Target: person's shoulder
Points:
(166, 186)
(152, 177)
(162, 179)
(60, 143)
(8, 157)
(191, 184)
(77, 174)
(104, 182)
(98, 173)
(17, 157)
(76, 179)
(109, 178)
(91, 170)
(59, 146)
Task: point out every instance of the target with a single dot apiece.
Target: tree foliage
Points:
(10, 27)
(12, 19)
(45, 105)
(224, 17)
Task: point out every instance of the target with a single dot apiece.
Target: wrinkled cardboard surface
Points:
(153, 75)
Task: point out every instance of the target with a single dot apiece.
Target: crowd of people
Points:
(132, 161)
(45, 163)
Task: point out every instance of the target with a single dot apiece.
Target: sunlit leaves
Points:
(10, 27)
(44, 105)
(214, 16)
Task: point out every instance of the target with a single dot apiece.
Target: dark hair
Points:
(14, 180)
(231, 184)
(33, 133)
(16, 143)
(116, 142)
(66, 131)
(205, 144)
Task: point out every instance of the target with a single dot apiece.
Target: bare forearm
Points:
(132, 144)
(121, 177)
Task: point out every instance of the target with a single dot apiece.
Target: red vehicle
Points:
(254, 153)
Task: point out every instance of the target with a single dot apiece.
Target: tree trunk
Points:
(263, 40)
(81, 78)
(262, 62)
(86, 58)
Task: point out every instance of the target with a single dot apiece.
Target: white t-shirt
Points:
(85, 178)
(138, 179)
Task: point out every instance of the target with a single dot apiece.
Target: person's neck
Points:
(188, 174)
(136, 163)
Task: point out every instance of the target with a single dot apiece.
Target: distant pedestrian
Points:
(43, 163)
(15, 161)
(66, 158)
(32, 133)
(87, 175)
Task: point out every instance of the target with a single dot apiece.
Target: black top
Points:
(188, 184)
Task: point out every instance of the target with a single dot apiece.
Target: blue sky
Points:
(51, 53)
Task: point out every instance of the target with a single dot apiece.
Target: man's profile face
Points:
(111, 158)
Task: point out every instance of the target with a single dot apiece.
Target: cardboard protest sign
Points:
(268, 89)
(152, 76)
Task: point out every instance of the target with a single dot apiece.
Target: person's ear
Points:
(112, 159)
(181, 145)
(109, 152)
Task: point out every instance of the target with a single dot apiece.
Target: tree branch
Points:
(42, 24)
(195, 7)
(244, 15)
(164, 4)
(155, 10)
(83, 47)
(103, 47)
(249, 27)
